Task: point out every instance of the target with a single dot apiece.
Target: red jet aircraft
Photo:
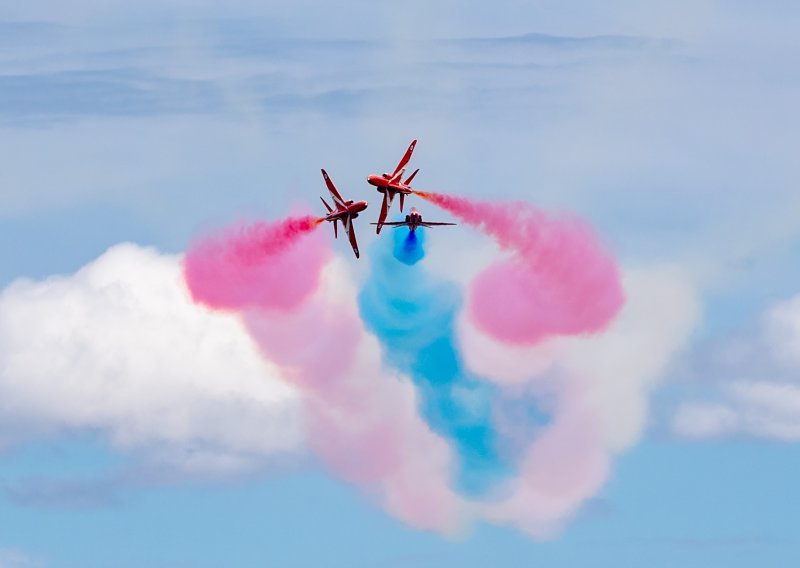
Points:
(345, 212)
(413, 220)
(392, 184)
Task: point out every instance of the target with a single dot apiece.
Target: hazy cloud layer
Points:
(10, 558)
(684, 129)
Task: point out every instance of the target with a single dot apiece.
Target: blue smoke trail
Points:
(411, 249)
(413, 315)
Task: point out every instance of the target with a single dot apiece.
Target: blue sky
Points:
(672, 128)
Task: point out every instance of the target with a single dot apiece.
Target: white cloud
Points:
(782, 331)
(704, 420)
(763, 407)
(760, 409)
(120, 349)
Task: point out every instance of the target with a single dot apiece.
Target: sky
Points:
(376, 412)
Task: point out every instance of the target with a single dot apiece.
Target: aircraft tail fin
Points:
(402, 201)
(325, 203)
(336, 228)
(408, 181)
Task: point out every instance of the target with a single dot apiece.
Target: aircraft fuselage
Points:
(382, 183)
(352, 210)
(414, 220)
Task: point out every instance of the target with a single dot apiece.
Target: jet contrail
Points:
(248, 265)
(559, 281)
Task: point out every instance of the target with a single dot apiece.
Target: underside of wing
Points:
(387, 201)
(406, 157)
(337, 198)
(351, 232)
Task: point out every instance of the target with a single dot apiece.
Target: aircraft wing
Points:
(337, 198)
(393, 224)
(432, 224)
(388, 197)
(351, 232)
(406, 157)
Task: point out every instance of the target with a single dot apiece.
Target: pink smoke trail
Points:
(360, 421)
(560, 280)
(559, 471)
(299, 307)
(267, 265)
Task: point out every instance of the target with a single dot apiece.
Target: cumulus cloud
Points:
(119, 348)
(766, 405)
